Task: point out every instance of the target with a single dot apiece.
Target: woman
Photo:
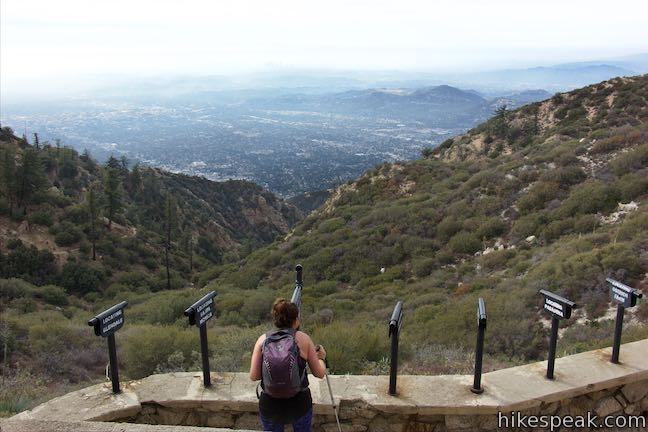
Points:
(284, 407)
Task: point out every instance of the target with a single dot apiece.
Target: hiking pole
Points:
(297, 293)
(299, 285)
(328, 383)
(296, 299)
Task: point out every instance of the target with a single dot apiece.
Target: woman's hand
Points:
(321, 352)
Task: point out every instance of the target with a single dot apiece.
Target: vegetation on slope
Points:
(76, 236)
(528, 200)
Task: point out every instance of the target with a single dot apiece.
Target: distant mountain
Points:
(553, 78)
(441, 106)
(517, 99)
(445, 95)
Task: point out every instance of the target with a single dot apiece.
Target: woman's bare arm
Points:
(255, 363)
(316, 365)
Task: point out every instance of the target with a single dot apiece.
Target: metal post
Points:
(393, 368)
(616, 346)
(395, 324)
(479, 351)
(114, 370)
(552, 348)
(205, 355)
(476, 388)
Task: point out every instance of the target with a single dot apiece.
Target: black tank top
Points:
(286, 411)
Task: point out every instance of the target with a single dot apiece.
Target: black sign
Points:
(202, 311)
(109, 321)
(481, 313)
(558, 306)
(623, 294)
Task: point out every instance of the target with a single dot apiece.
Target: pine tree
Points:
(30, 177)
(170, 216)
(135, 181)
(9, 177)
(36, 141)
(92, 202)
(500, 122)
(113, 162)
(111, 186)
(188, 244)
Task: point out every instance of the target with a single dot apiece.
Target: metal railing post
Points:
(479, 350)
(395, 324)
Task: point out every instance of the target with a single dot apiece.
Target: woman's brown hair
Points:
(284, 313)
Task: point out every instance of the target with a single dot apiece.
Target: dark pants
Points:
(302, 424)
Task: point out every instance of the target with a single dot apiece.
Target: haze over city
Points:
(51, 47)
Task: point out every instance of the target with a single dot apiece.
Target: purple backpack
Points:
(280, 364)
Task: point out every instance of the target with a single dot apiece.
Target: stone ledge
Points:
(60, 426)
(514, 389)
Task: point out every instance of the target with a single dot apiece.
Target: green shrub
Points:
(496, 260)
(557, 228)
(423, 267)
(537, 197)
(76, 214)
(630, 161)
(57, 336)
(622, 137)
(233, 348)
(24, 305)
(148, 347)
(568, 175)
(323, 288)
(43, 217)
(164, 307)
(528, 225)
(11, 289)
(349, 346)
(28, 263)
(586, 224)
(246, 279)
(257, 306)
(66, 234)
(633, 226)
(589, 197)
(136, 280)
(447, 228)
(491, 228)
(80, 278)
(53, 295)
(331, 225)
(632, 186)
(620, 256)
(465, 243)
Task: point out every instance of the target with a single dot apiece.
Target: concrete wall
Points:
(585, 382)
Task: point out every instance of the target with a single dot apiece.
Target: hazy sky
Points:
(46, 41)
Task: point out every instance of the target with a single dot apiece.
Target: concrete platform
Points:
(180, 398)
(59, 426)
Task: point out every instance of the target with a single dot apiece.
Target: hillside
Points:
(552, 195)
(75, 235)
